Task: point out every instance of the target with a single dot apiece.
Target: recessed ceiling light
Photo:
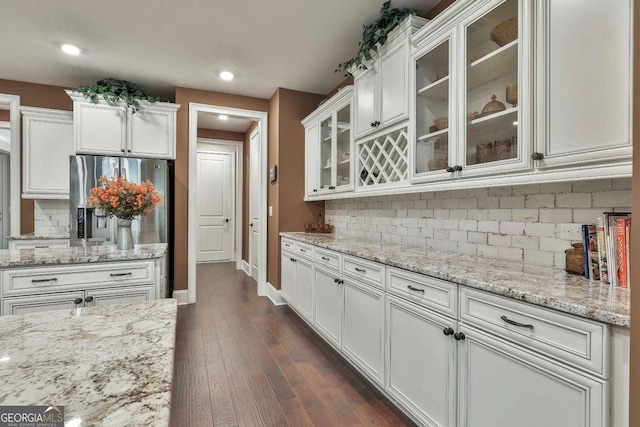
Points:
(70, 49)
(223, 117)
(226, 75)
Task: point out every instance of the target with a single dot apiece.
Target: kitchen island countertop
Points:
(78, 255)
(542, 286)
(108, 365)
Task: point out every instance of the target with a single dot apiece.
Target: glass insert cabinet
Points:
(329, 139)
(468, 81)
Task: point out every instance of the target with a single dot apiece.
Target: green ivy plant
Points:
(114, 90)
(374, 36)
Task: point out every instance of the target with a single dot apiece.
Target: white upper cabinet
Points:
(113, 129)
(47, 137)
(584, 94)
(329, 145)
(382, 89)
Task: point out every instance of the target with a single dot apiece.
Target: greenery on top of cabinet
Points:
(375, 35)
(114, 90)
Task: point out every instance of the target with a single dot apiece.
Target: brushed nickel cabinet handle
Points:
(514, 323)
(43, 280)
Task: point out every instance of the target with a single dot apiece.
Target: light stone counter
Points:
(546, 287)
(78, 255)
(108, 366)
(33, 236)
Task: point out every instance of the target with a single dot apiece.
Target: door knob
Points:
(250, 224)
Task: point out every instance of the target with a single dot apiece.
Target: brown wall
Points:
(245, 192)
(183, 97)
(5, 115)
(286, 150)
(437, 9)
(634, 356)
(35, 95)
(220, 134)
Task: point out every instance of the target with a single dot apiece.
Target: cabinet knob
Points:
(341, 282)
(457, 168)
(450, 169)
(373, 124)
(459, 336)
(88, 299)
(332, 187)
(336, 280)
(448, 331)
(129, 151)
(122, 149)
(537, 156)
(77, 301)
(378, 123)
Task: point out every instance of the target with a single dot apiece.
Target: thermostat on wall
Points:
(273, 173)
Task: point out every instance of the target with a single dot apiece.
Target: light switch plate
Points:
(270, 210)
(571, 232)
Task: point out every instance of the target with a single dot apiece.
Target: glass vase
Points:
(125, 238)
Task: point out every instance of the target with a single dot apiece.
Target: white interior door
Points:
(254, 203)
(215, 201)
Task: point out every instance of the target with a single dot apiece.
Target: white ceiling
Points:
(232, 124)
(160, 44)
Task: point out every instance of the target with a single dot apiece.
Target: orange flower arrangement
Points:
(124, 199)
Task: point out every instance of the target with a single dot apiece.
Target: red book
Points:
(621, 242)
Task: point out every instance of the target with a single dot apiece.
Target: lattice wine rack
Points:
(383, 160)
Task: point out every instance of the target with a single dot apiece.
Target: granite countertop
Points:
(108, 365)
(34, 236)
(78, 255)
(546, 287)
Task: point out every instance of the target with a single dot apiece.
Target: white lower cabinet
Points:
(54, 287)
(502, 384)
(288, 278)
(304, 288)
(35, 304)
(363, 327)
(450, 355)
(328, 305)
(421, 362)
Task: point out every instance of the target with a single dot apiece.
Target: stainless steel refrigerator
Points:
(89, 227)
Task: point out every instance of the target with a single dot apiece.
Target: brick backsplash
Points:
(51, 217)
(519, 223)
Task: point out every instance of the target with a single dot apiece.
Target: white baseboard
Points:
(246, 268)
(181, 296)
(274, 295)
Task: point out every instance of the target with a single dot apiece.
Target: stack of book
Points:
(606, 248)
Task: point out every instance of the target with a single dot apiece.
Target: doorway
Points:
(259, 252)
(11, 150)
(254, 203)
(4, 197)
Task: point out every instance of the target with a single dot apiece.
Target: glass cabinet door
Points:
(326, 154)
(433, 81)
(492, 77)
(343, 146)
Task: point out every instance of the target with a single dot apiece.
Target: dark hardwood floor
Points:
(241, 361)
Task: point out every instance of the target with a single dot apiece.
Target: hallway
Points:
(241, 361)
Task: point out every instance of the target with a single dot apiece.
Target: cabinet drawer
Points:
(433, 293)
(327, 258)
(287, 245)
(367, 271)
(580, 342)
(304, 250)
(39, 244)
(28, 281)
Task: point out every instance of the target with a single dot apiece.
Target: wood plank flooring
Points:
(241, 361)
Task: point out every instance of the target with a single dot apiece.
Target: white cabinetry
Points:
(501, 384)
(288, 277)
(451, 355)
(25, 290)
(39, 244)
(113, 129)
(329, 146)
(363, 329)
(304, 288)
(381, 90)
(47, 137)
(584, 97)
